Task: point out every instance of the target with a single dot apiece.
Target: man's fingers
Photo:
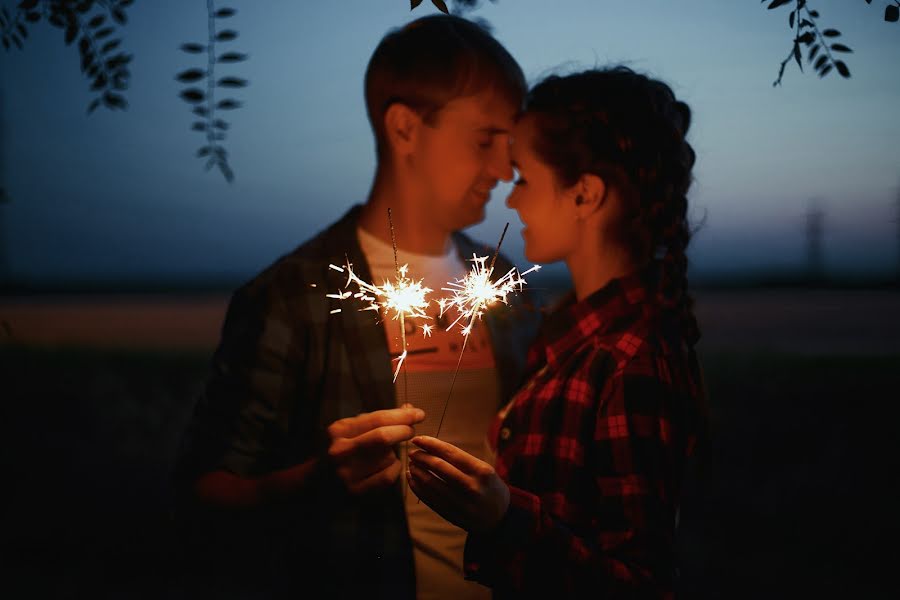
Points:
(354, 426)
(460, 459)
(381, 479)
(372, 442)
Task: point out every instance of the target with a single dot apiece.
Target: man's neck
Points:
(412, 231)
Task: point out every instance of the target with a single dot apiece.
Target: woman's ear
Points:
(401, 126)
(589, 194)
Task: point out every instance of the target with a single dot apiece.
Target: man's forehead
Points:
(485, 112)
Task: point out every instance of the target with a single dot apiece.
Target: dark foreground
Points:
(801, 500)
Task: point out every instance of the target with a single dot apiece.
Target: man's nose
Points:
(500, 164)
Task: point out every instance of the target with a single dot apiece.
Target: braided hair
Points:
(629, 130)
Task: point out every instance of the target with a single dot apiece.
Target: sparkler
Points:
(401, 298)
(472, 295)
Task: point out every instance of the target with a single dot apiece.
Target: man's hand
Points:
(461, 488)
(362, 447)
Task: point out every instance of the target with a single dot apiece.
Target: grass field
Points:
(801, 499)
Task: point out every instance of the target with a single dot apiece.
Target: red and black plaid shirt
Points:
(593, 448)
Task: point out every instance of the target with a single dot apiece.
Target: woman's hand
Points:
(461, 488)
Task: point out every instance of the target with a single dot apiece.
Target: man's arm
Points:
(361, 454)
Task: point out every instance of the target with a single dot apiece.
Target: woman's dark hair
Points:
(630, 130)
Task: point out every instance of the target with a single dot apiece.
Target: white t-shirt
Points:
(424, 381)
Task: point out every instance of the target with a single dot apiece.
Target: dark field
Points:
(801, 500)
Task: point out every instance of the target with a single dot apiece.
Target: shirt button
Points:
(505, 433)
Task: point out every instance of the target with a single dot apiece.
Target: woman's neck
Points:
(593, 268)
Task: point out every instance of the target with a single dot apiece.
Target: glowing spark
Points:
(426, 330)
(472, 295)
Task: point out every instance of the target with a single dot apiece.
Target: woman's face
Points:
(546, 210)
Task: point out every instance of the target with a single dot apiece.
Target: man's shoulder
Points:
(305, 267)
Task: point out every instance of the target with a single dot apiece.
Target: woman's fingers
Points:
(460, 459)
(450, 474)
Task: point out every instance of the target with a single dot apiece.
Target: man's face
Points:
(460, 157)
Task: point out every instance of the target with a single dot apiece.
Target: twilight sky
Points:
(121, 195)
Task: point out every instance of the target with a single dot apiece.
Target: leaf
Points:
(191, 75)
(821, 61)
(118, 16)
(84, 45)
(226, 35)
(814, 14)
(232, 82)
(891, 13)
(193, 95)
(226, 172)
(840, 48)
(200, 111)
(442, 6)
(56, 21)
(220, 124)
(193, 48)
(33, 17)
(27, 4)
(414, 3)
(774, 4)
(831, 33)
(224, 13)
(812, 53)
(791, 19)
(203, 151)
(114, 100)
(806, 23)
(96, 21)
(797, 55)
(22, 31)
(71, 34)
(110, 45)
(99, 82)
(16, 41)
(228, 104)
(93, 105)
(198, 126)
(825, 71)
(231, 57)
(807, 38)
(103, 32)
(842, 69)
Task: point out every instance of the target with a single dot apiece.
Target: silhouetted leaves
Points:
(807, 38)
(840, 48)
(819, 63)
(777, 3)
(110, 45)
(191, 75)
(193, 95)
(97, 21)
(414, 3)
(825, 71)
(231, 57)
(193, 48)
(842, 68)
(213, 128)
(831, 33)
(232, 82)
(891, 13)
(812, 52)
(113, 100)
(103, 33)
(28, 4)
(228, 104)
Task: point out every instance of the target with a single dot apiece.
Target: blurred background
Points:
(118, 252)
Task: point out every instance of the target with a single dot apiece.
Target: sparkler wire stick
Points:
(475, 313)
(403, 342)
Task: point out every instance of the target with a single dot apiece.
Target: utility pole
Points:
(815, 219)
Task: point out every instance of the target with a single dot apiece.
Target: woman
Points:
(591, 451)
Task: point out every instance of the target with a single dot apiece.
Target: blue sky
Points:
(121, 195)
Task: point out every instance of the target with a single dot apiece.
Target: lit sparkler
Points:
(402, 298)
(473, 294)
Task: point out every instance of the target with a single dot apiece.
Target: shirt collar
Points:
(611, 308)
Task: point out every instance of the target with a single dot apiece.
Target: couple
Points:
(292, 469)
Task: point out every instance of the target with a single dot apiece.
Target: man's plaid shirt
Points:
(285, 369)
(593, 448)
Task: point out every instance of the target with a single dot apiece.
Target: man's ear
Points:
(589, 194)
(401, 126)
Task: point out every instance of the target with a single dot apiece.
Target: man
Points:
(292, 450)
